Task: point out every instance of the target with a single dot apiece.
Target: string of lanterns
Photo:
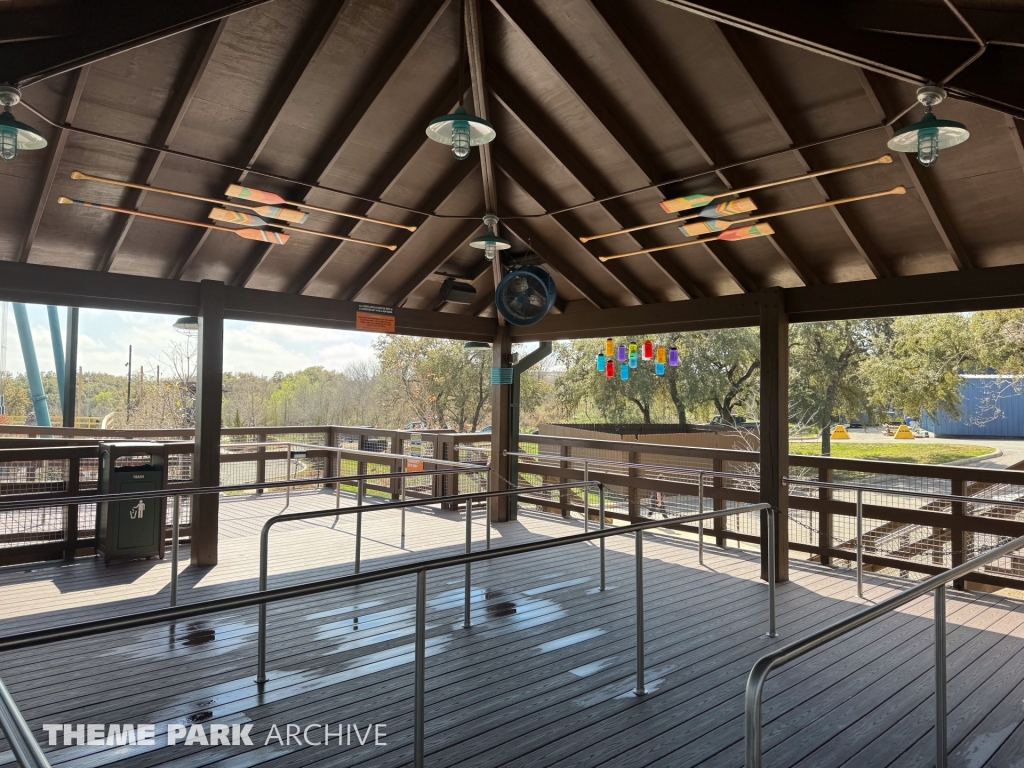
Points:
(629, 355)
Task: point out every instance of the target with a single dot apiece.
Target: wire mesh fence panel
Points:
(32, 525)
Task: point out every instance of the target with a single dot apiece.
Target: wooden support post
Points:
(396, 465)
(563, 496)
(633, 494)
(71, 521)
(774, 427)
(502, 438)
(825, 475)
(209, 394)
(718, 504)
(261, 461)
(957, 538)
(71, 368)
(334, 462)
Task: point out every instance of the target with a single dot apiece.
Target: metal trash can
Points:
(133, 528)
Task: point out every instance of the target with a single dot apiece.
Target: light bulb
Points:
(659, 369)
(489, 251)
(673, 357)
(648, 349)
(623, 355)
(460, 146)
(927, 146)
(609, 369)
(660, 355)
(624, 372)
(8, 143)
(600, 363)
(609, 347)
(632, 359)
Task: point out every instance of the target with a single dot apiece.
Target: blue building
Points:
(992, 405)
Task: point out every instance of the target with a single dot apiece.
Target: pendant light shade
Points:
(490, 243)
(929, 134)
(15, 135)
(461, 131)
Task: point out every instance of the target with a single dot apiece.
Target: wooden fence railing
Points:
(903, 535)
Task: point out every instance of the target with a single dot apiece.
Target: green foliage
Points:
(915, 452)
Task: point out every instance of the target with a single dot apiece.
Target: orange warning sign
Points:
(376, 318)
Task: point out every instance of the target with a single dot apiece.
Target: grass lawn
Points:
(916, 452)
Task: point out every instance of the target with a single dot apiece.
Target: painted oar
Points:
(263, 235)
(268, 211)
(740, 233)
(898, 190)
(269, 198)
(714, 211)
(688, 202)
(247, 219)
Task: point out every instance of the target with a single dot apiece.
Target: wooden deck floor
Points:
(544, 676)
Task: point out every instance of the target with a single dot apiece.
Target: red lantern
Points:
(648, 349)
(609, 369)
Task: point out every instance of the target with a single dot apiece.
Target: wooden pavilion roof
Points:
(589, 98)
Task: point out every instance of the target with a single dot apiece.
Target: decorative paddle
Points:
(237, 217)
(742, 233)
(715, 211)
(694, 201)
(263, 235)
(898, 190)
(269, 211)
(269, 198)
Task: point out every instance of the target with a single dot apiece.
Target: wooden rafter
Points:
(168, 129)
(452, 245)
(759, 84)
(671, 94)
(926, 191)
(74, 97)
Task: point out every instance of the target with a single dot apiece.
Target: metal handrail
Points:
(420, 569)
(859, 506)
(26, 749)
(764, 665)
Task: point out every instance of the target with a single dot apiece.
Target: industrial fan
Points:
(525, 295)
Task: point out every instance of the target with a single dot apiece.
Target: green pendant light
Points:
(490, 243)
(15, 135)
(929, 134)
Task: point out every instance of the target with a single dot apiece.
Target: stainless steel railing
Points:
(420, 570)
(764, 665)
(860, 489)
(23, 744)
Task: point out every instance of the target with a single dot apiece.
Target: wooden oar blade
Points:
(282, 214)
(705, 227)
(256, 195)
(729, 207)
(685, 203)
(747, 232)
(263, 235)
(236, 217)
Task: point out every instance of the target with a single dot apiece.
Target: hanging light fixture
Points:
(491, 243)
(929, 134)
(15, 135)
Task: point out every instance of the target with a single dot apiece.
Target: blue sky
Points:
(257, 347)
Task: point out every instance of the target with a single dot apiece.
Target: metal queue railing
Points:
(420, 570)
(23, 744)
(759, 674)
(699, 473)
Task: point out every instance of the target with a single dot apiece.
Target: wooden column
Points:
(501, 430)
(209, 395)
(825, 475)
(632, 493)
(718, 504)
(958, 541)
(775, 425)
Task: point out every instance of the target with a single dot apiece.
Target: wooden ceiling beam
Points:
(920, 178)
(74, 98)
(671, 95)
(452, 245)
(764, 92)
(410, 143)
(530, 117)
(174, 113)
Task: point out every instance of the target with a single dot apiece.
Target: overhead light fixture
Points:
(461, 130)
(457, 291)
(471, 345)
(187, 323)
(15, 135)
(490, 243)
(929, 134)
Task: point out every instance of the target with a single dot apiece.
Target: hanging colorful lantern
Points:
(659, 369)
(609, 369)
(609, 347)
(600, 363)
(633, 357)
(648, 349)
(623, 353)
(673, 357)
(624, 372)
(660, 355)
